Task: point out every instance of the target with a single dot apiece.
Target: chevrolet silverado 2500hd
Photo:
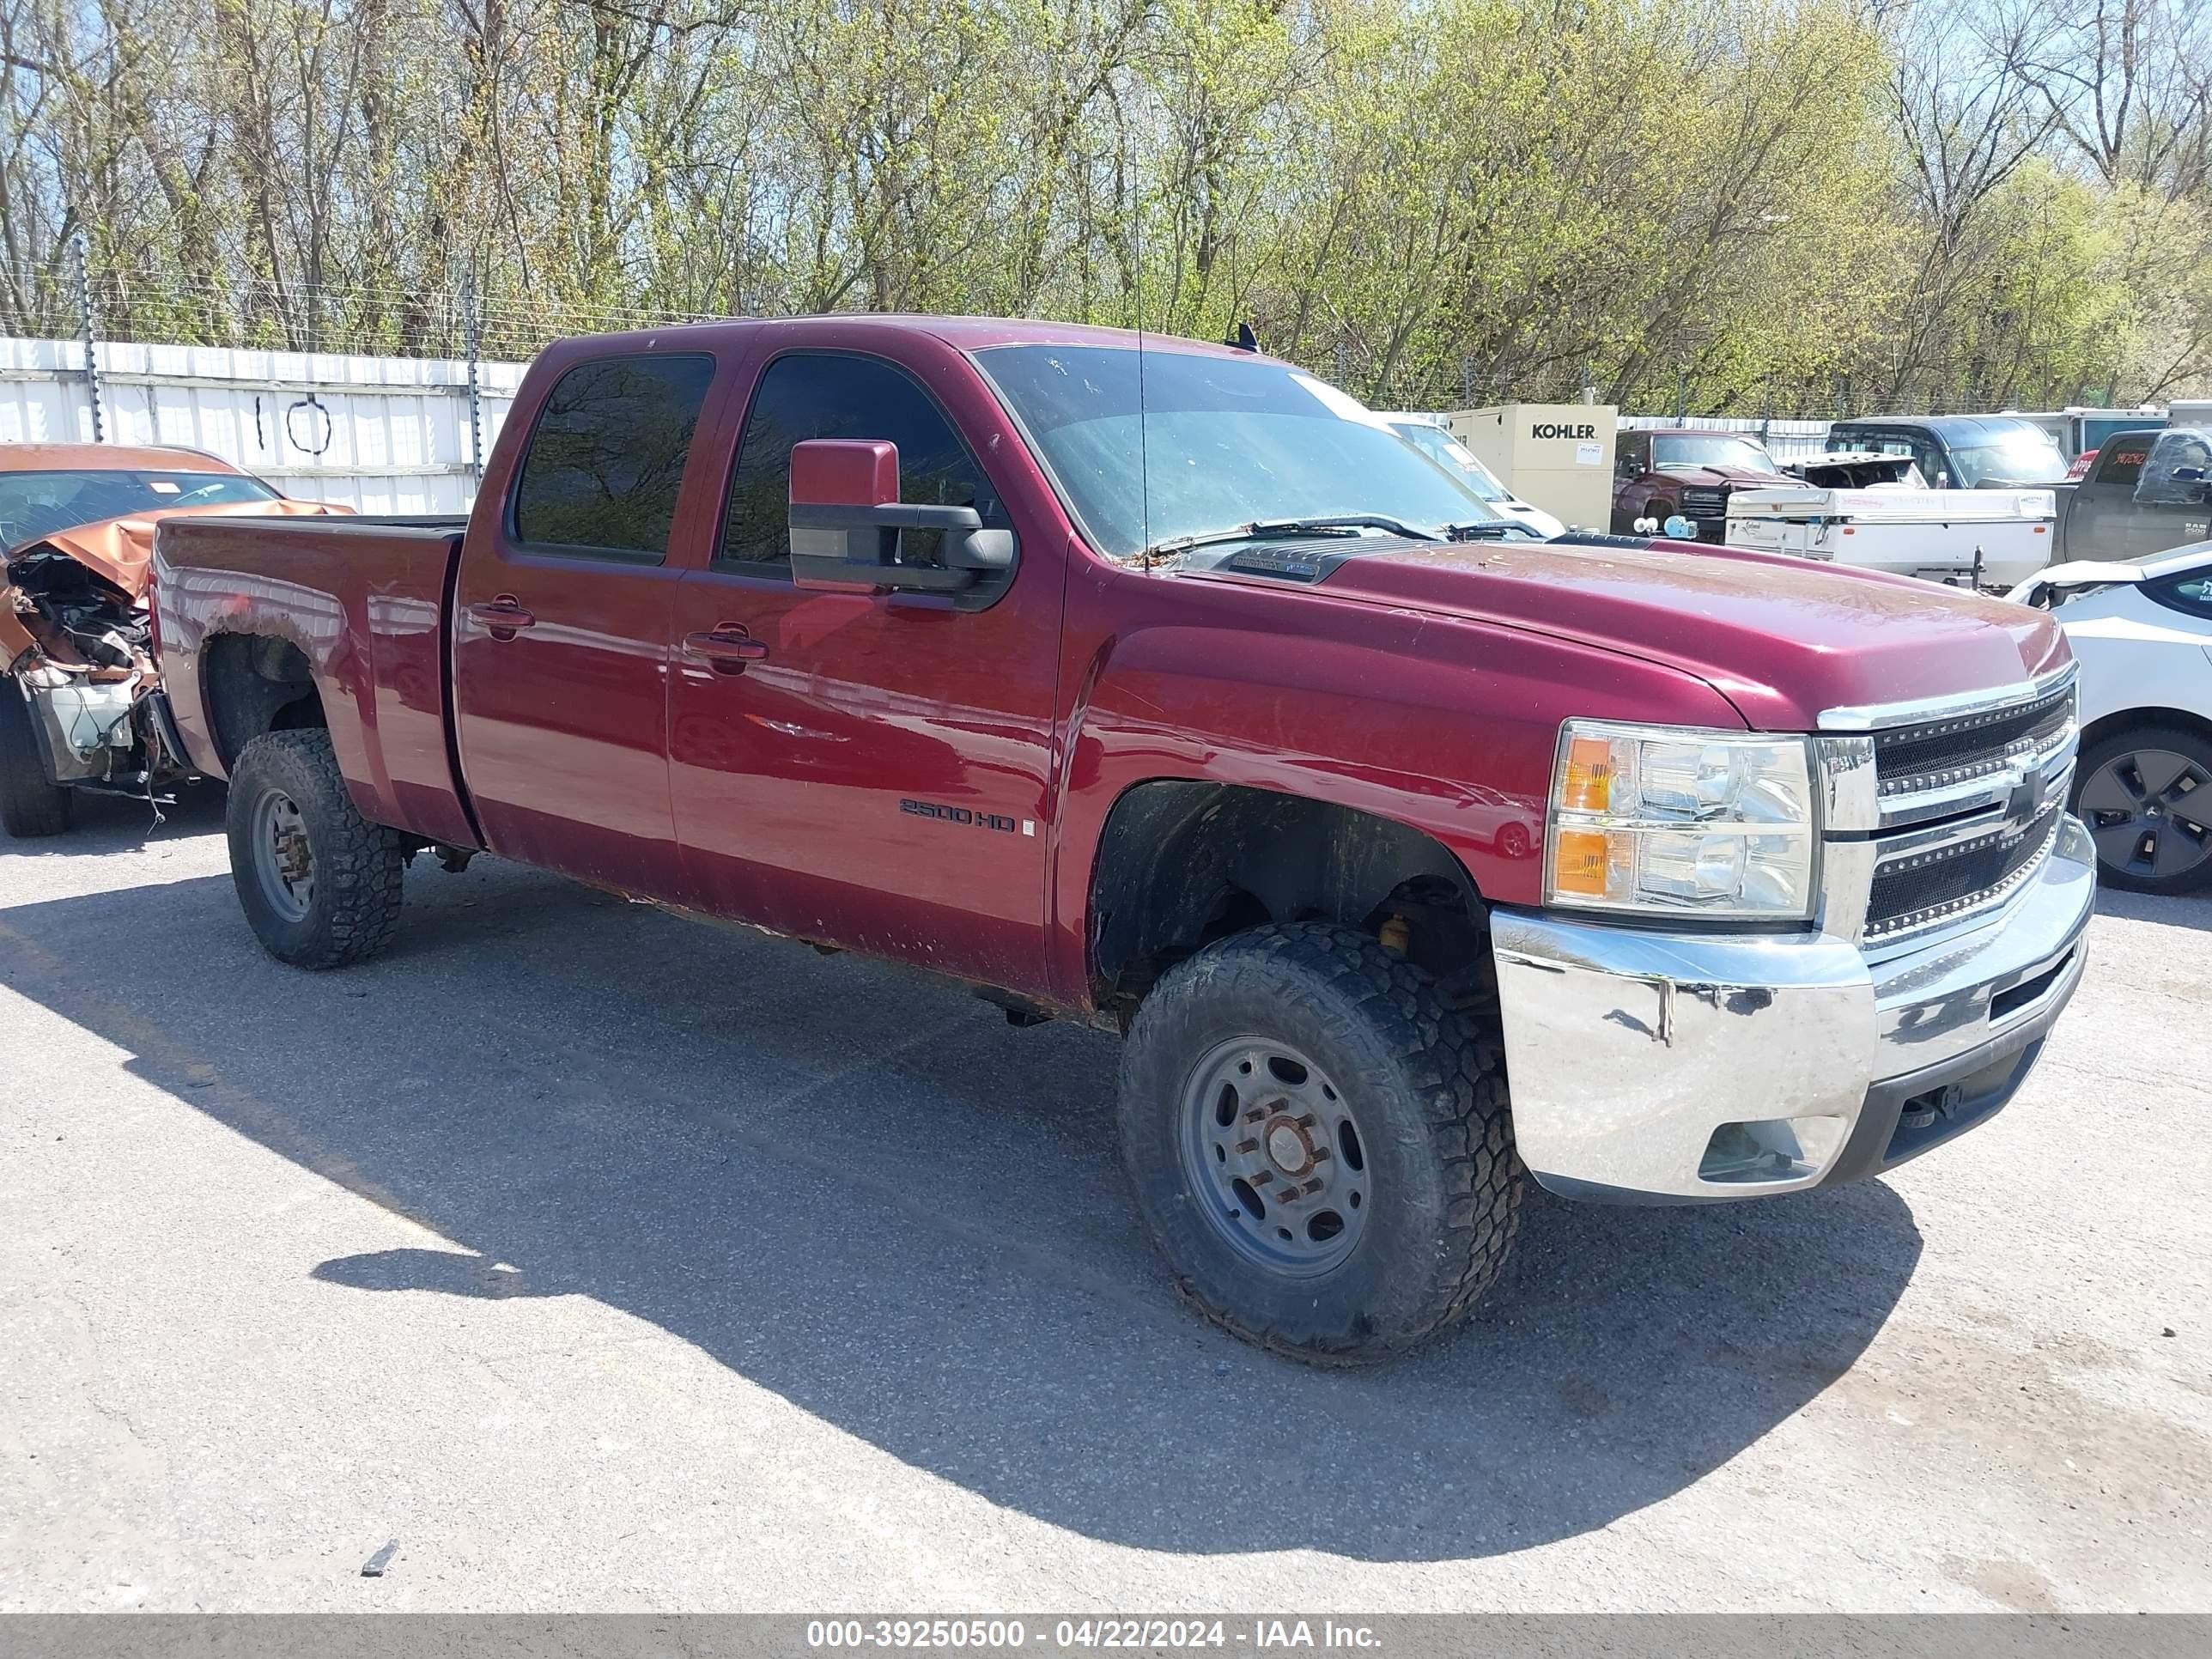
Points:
(1169, 691)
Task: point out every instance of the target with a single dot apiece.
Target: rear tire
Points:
(319, 883)
(2146, 795)
(29, 805)
(1241, 1070)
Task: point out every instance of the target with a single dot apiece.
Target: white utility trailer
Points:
(1997, 537)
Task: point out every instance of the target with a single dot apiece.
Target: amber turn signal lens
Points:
(1578, 858)
(1588, 786)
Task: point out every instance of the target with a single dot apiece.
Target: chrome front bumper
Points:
(1658, 1067)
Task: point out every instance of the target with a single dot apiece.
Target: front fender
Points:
(1445, 726)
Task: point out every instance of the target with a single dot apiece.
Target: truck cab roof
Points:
(962, 333)
(1946, 427)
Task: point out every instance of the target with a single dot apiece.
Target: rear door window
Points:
(807, 395)
(606, 457)
(2121, 462)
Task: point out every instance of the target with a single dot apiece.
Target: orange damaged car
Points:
(80, 706)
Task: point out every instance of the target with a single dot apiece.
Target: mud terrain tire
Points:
(1426, 1085)
(331, 895)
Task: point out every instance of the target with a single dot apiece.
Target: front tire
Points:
(30, 806)
(1322, 1148)
(319, 883)
(2145, 796)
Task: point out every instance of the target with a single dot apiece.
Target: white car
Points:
(2142, 634)
(1432, 439)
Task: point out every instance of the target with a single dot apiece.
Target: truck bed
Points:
(363, 601)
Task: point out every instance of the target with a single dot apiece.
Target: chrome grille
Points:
(1967, 803)
(1705, 503)
(1931, 770)
(1917, 892)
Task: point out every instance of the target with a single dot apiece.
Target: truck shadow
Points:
(862, 1190)
(106, 823)
(2180, 910)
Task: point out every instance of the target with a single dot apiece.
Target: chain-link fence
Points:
(61, 299)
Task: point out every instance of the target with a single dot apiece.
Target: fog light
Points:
(1772, 1149)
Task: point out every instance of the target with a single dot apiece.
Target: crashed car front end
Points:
(76, 636)
(77, 646)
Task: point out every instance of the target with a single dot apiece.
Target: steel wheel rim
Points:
(283, 861)
(1284, 1181)
(2150, 813)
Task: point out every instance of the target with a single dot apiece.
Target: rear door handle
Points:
(502, 616)
(727, 647)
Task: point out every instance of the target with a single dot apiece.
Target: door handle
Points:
(727, 647)
(502, 616)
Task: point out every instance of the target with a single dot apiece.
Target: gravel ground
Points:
(609, 1261)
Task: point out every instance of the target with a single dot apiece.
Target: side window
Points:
(2179, 472)
(1883, 444)
(808, 395)
(2121, 461)
(1932, 464)
(2191, 595)
(607, 455)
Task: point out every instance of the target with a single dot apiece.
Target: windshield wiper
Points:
(1490, 529)
(1348, 523)
(1260, 529)
(1173, 544)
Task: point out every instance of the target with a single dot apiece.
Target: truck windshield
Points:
(35, 504)
(1717, 451)
(2024, 457)
(1223, 440)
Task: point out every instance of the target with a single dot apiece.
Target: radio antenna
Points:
(1143, 451)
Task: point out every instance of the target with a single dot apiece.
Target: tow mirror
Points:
(848, 527)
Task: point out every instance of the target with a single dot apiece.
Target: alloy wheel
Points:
(2149, 811)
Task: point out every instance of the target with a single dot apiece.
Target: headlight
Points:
(1671, 821)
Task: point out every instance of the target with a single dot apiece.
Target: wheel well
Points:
(1181, 864)
(2128, 720)
(253, 683)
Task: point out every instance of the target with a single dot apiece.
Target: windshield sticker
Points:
(162, 486)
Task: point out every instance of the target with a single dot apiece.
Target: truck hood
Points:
(1713, 476)
(121, 550)
(1780, 638)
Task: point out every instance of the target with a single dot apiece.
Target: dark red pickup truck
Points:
(1170, 691)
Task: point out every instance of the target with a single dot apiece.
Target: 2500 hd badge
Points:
(930, 809)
